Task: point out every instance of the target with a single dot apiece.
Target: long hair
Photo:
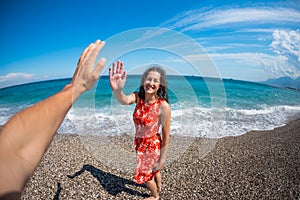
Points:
(162, 91)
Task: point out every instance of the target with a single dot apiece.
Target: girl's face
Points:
(152, 82)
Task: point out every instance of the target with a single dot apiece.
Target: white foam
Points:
(196, 121)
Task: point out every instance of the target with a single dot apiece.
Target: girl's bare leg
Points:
(157, 180)
(151, 185)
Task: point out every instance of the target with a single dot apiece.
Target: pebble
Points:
(256, 165)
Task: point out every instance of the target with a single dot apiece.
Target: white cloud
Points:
(287, 43)
(16, 76)
(257, 30)
(197, 20)
(279, 66)
(286, 62)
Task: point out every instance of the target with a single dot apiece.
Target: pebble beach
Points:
(256, 165)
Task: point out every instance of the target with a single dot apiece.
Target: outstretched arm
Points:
(27, 135)
(117, 79)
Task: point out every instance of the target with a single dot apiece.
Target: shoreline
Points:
(255, 165)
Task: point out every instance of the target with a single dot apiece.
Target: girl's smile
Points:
(152, 82)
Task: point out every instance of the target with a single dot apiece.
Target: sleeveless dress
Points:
(147, 140)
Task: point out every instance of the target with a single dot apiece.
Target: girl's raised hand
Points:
(117, 77)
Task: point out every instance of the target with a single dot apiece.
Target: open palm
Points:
(117, 77)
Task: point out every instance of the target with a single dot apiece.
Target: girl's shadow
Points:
(111, 183)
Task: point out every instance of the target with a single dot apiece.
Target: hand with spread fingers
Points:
(86, 73)
(117, 77)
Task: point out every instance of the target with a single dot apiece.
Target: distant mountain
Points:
(285, 81)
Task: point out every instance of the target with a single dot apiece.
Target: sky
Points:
(244, 40)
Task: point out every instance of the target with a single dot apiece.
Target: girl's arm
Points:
(165, 119)
(117, 79)
(125, 99)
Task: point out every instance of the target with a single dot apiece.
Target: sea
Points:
(200, 107)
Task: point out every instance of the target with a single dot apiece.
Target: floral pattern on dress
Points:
(147, 139)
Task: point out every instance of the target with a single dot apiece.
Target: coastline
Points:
(255, 165)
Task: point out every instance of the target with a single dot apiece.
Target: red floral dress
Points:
(147, 139)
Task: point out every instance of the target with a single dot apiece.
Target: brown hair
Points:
(162, 91)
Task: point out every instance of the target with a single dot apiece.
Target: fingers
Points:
(120, 67)
(91, 52)
(157, 167)
(109, 72)
(82, 57)
(116, 68)
(83, 54)
(94, 51)
(124, 75)
(99, 67)
(112, 69)
(92, 58)
(89, 55)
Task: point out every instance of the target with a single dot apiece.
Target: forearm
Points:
(121, 97)
(164, 149)
(35, 126)
(26, 136)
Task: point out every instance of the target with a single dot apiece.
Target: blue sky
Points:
(246, 40)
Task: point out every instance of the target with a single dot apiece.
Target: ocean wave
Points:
(196, 121)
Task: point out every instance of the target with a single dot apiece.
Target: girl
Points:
(152, 111)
